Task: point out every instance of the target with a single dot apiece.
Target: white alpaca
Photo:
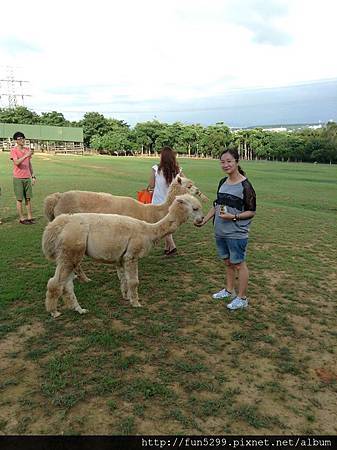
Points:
(108, 238)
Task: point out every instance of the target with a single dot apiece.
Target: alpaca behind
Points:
(71, 202)
(49, 205)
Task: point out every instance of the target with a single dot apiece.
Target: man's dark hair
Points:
(17, 135)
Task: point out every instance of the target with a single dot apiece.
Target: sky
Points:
(243, 62)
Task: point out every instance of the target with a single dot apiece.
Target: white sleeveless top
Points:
(160, 187)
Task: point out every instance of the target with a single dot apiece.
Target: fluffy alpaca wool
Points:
(108, 238)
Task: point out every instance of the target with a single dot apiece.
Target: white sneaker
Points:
(222, 294)
(237, 303)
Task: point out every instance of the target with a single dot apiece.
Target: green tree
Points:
(118, 142)
(93, 124)
(277, 143)
(311, 140)
(329, 135)
(169, 135)
(53, 118)
(20, 114)
(189, 139)
(323, 146)
(115, 124)
(215, 139)
(244, 141)
(147, 133)
(330, 132)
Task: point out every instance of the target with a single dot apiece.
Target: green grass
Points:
(182, 363)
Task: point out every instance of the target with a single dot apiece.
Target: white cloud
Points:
(112, 55)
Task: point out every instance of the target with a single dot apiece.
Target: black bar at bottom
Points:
(165, 442)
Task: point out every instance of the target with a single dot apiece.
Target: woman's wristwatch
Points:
(235, 218)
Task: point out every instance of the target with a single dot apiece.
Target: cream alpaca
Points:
(108, 238)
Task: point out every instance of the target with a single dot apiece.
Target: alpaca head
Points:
(187, 207)
(182, 185)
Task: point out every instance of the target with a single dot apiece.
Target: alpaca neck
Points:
(171, 195)
(167, 225)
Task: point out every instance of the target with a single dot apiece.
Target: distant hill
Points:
(287, 126)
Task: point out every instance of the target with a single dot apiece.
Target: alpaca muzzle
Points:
(198, 220)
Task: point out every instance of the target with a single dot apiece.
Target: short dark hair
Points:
(17, 135)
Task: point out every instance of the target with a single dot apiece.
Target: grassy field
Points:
(183, 363)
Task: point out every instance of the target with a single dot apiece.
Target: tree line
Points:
(112, 136)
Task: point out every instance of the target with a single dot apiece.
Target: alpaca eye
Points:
(195, 209)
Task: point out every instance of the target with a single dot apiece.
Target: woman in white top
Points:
(161, 177)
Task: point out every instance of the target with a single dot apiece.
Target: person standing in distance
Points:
(23, 177)
(161, 177)
(232, 211)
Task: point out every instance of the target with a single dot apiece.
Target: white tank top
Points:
(160, 186)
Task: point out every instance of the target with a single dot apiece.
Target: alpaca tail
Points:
(51, 238)
(49, 205)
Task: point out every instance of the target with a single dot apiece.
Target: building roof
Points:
(42, 132)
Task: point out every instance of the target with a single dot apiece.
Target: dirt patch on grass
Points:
(186, 366)
(326, 375)
(14, 342)
(19, 378)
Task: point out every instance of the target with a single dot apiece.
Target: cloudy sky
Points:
(244, 62)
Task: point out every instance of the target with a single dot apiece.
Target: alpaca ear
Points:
(178, 178)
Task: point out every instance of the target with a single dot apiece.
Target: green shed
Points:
(44, 137)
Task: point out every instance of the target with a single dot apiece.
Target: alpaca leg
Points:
(72, 247)
(122, 279)
(131, 275)
(81, 275)
(70, 297)
(54, 291)
(55, 288)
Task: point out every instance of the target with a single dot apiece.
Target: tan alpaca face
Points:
(190, 187)
(193, 207)
(197, 214)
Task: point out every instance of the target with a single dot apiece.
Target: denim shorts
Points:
(232, 249)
